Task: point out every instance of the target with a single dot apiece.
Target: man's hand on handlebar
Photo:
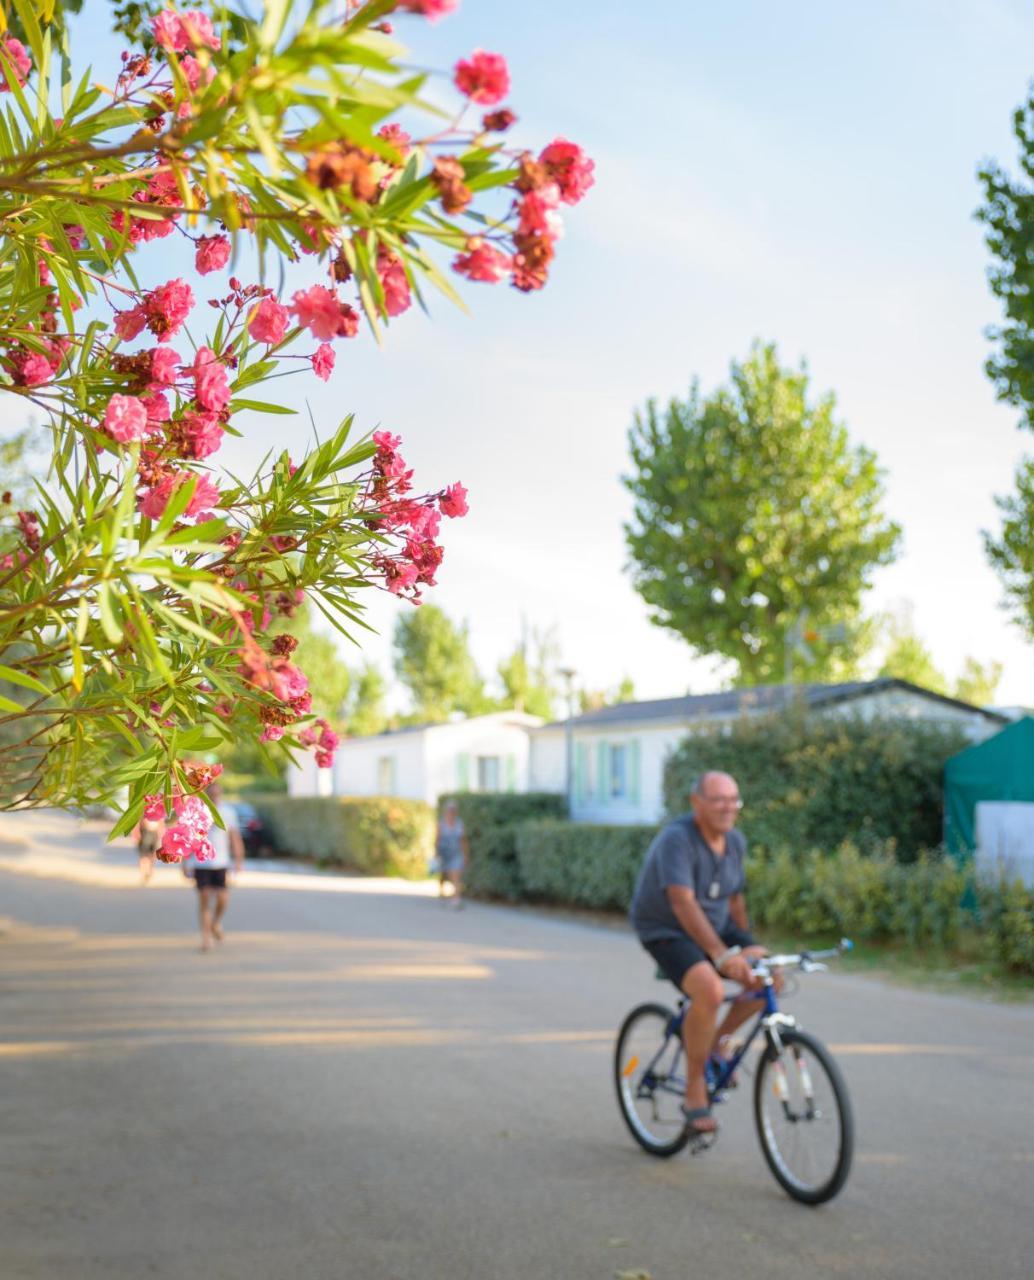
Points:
(737, 969)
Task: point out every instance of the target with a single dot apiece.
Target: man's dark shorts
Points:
(210, 877)
(675, 955)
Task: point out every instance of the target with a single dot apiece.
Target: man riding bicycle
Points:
(690, 913)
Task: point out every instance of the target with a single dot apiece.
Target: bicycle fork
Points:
(780, 1084)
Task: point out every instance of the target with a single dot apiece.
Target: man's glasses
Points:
(724, 802)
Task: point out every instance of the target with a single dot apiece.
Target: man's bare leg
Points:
(743, 1008)
(704, 988)
(222, 899)
(204, 911)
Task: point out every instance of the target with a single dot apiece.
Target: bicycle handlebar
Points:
(804, 960)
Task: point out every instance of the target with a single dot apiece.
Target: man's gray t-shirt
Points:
(679, 854)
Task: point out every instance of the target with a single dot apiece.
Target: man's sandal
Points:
(692, 1115)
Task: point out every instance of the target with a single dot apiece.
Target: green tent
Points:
(1000, 768)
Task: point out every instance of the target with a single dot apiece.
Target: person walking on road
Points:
(210, 876)
(690, 912)
(149, 834)
(451, 851)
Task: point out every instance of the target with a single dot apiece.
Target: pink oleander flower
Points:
(483, 77)
(154, 808)
(21, 63)
(569, 167)
(177, 844)
(483, 262)
(538, 214)
(453, 501)
(288, 680)
(34, 371)
(129, 323)
(206, 495)
(211, 386)
(399, 575)
(271, 733)
(167, 307)
(194, 73)
(165, 366)
(153, 503)
(397, 137)
(432, 10)
(202, 432)
(125, 419)
(323, 361)
(322, 312)
(213, 252)
(394, 282)
(179, 31)
(157, 407)
(268, 321)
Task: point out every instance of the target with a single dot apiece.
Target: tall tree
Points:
(752, 507)
(906, 656)
(978, 682)
(1008, 217)
(366, 710)
(433, 661)
(528, 675)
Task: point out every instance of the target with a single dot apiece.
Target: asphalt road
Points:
(363, 1083)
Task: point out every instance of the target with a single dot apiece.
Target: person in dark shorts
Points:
(213, 893)
(689, 911)
(450, 846)
(149, 834)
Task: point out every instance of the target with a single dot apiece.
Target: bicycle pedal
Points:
(702, 1142)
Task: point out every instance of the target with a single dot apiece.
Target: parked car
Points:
(254, 832)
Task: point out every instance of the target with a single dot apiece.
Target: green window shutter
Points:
(602, 772)
(633, 771)
(581, 772)
(463, 772)
(511, 773)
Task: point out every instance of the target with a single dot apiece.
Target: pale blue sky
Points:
(801, 173)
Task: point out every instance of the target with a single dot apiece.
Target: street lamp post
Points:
(568, 674)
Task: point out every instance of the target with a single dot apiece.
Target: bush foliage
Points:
(814, 781)
(491, 822)
(377, 835)
(591, 866)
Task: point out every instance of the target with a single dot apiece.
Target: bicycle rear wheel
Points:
(650, 1078)
(803, 1117)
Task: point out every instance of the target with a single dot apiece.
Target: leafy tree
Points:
(433, 661)
(978, 683)
(366, 710)
(752, 507)
(528, 675)
(597, 699)
(1008, 217)
(906, 656)
(142, 583)
(1011, 553)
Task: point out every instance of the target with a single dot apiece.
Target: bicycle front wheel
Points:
(803, 1116)
(650, 1077)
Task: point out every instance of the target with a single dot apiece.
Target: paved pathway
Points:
(362, 1083)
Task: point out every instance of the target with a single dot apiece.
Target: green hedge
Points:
(811, 781)
(1007, 911)
(378, 835)
(864, 897)
(588, 865)
(491, 821)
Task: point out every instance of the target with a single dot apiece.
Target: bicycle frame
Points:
(769, 1018)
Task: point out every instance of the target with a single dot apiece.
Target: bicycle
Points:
(800, 1099)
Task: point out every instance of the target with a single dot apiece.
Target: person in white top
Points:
(210, 876)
